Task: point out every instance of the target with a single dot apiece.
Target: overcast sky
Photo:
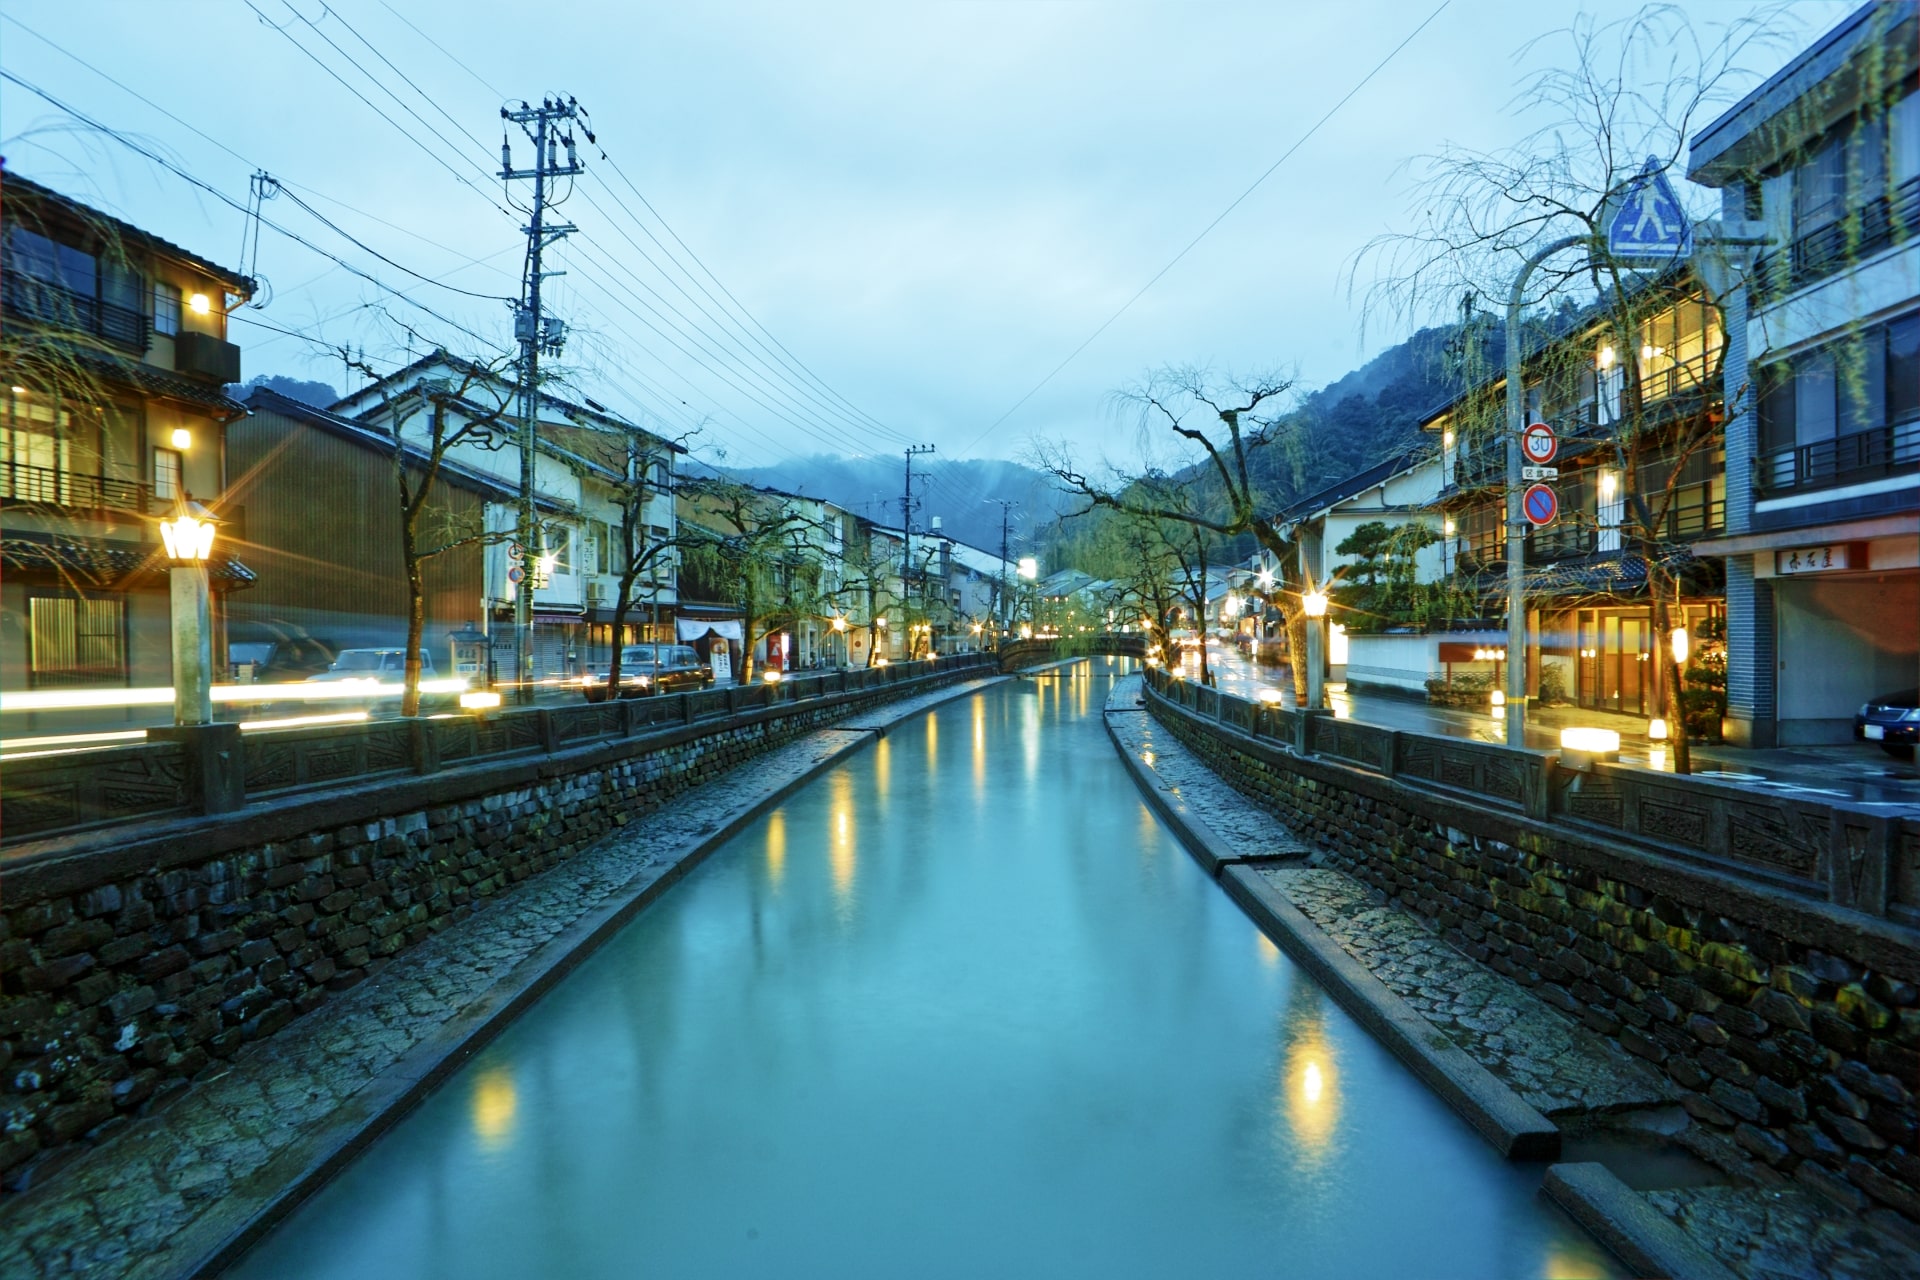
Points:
(928, 205)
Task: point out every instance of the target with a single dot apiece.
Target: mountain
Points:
(317, 394)
(959, 493)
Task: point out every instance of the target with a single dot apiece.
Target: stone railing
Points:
(1861, 856)
(145, 951)
(1762, 949)
(224, 770)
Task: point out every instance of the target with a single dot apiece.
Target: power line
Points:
(443, 49)
(318, 62)
(1237, 201)
(180, 172)
(202, 134)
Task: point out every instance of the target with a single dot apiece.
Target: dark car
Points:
(647, 669)
(280, 661)
(1892, 720)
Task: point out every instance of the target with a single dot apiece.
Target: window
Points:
(1903, 139)
(556, 544)
(75, 641)
(1813, 399)
(168, 476)
(60, 265)
(166, 308)
(1903, 366)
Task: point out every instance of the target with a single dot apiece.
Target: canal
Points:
(960, 1007)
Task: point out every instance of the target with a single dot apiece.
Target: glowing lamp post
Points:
(188, 538)
(1314, 605)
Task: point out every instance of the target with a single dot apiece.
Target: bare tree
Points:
(1627, 94)
(1219, 427)
(636, 554)
(423, 423)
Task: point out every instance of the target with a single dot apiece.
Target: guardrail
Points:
(1858, 856)
(220, 769)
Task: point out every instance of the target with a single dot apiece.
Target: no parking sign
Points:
(1539, 505)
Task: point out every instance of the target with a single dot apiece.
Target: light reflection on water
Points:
(905, 1028)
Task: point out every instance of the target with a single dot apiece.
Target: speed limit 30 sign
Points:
(1537, 442)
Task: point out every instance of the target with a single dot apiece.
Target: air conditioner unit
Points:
(599, 593)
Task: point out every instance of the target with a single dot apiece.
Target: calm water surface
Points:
(961, 1007)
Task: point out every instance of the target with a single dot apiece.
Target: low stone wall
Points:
(1792, 1024)
(136, 957)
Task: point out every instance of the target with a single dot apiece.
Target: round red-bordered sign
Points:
(1539, 444)
(1540, 505)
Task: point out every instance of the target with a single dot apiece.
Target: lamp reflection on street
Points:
(1309, 1074)
(979, 745)
(933, 742)
(494, 1103)
(840, 853)
(776, 846)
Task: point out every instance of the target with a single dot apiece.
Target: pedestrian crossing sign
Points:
(1649, 224)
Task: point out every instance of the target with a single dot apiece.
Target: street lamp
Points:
(188, 538)
(1314, 605)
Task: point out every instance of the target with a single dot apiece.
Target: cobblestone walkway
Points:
(149, 1201)
(1560, 1067)
(1785, 1234)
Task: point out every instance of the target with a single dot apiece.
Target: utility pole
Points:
(906, 521)
(545, 126)
(1006, 515)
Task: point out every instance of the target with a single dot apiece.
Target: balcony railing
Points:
(51, 487)
(1849, 459)
(26, 298)
(1569, 539)
(1830, 250)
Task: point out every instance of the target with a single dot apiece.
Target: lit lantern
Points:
(1682, 645)
(188, 536)
(1657, 729)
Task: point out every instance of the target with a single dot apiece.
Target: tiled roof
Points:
(107, 565)
(16, 188)
(159, 382)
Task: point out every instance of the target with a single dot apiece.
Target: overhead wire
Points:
(185, 175)
(204, 136)
(1218, 219)
(437, 158)
(777, 351)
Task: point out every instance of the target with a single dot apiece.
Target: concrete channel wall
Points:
(1779, 998)
(136, 956)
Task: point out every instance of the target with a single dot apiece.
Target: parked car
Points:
(1892, 720)
(647, 669)
(280, 661)
(386, 666)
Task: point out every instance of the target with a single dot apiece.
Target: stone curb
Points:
(1196, 837)
(1632, 1230)
(1515, 1129)
(289, 1178)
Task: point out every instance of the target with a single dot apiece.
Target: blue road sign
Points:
(1540, 505)
(1650, 224)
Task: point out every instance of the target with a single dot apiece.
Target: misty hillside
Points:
(959, 492)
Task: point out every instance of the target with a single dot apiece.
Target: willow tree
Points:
(1622, 97)
(750, 547)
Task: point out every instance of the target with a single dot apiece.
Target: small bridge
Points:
(1031, 653)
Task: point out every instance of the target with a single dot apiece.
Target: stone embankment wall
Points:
(137, 957)
(1793, 1026)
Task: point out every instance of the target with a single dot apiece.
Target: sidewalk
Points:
(1856, 771)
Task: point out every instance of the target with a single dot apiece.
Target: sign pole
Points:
(1516, 517)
